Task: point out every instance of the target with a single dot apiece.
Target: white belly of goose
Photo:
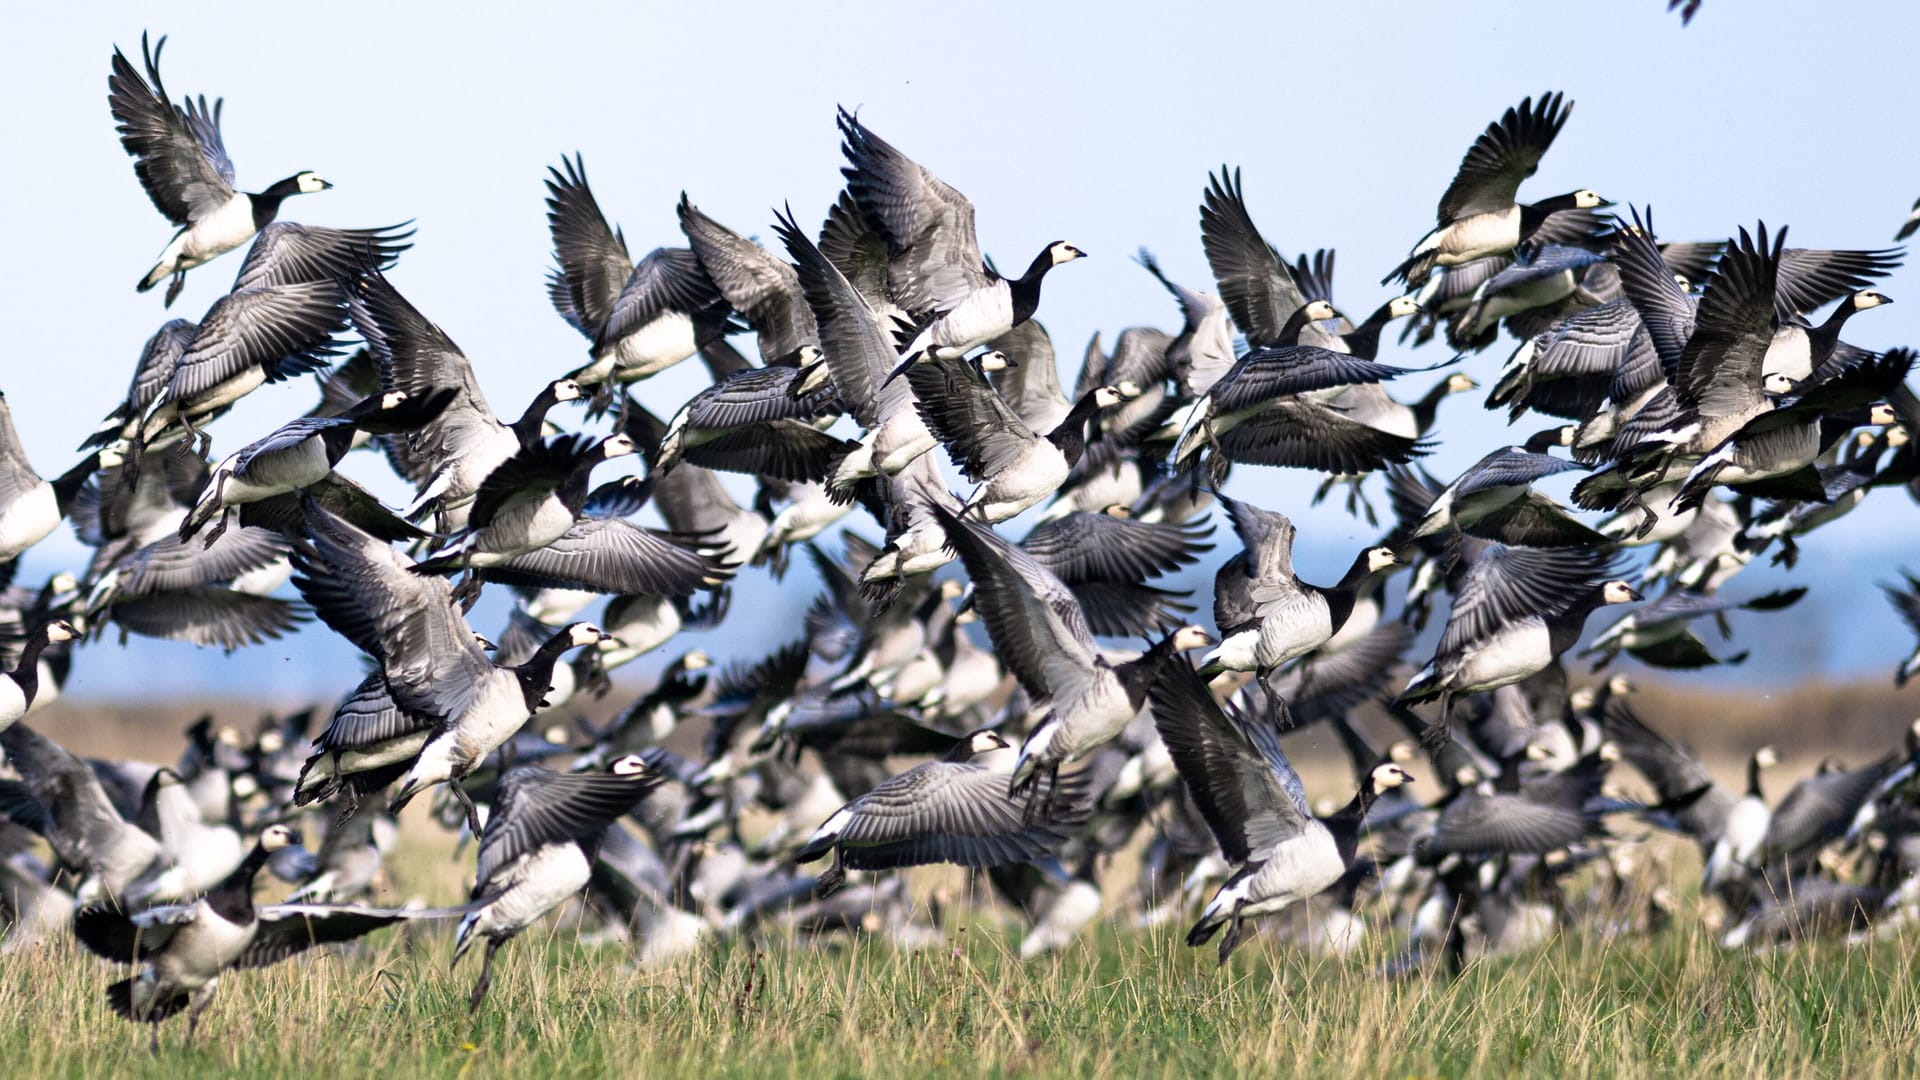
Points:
(652, 348)
(30, 519)
(13, 703)
(1476, 237)
(1294, 871)
(201, 949)
(524, 526)
(530, 886)
(1301, 626)
(1038, 474)
(1518, 650)
(277, 473)
(984, 315)
(497, 712)
(212, 236)
(389, 752)
(900, 439)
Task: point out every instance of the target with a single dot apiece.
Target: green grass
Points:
(1137, 1004)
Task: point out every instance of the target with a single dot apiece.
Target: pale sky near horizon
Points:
(1348, 120)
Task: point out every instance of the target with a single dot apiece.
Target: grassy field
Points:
(1122, 1003)
(1133, 1004)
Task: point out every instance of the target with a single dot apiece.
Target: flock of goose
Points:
(1714, 417)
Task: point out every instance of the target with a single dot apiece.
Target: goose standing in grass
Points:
(1266, 615)
(641, 318)
(182, 163)
(1516, 611)
(1254, 803)
(946, 811)
(935, 270)
(537, 850)
(434, 667)
(184, 949)
(1478, 215)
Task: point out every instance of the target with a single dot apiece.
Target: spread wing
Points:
(1506, 153)
(177, 151)
(1036, 625)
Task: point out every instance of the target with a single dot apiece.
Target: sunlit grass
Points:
(1120, 1004)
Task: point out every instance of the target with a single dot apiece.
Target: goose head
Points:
(565, 390)
(1386, 776)
(1869, 298)
(628, 765)
(1402, 307)
(585, 633)
(1380, 559)
(696, 660)
(1190, 637)
(1588, 199)
(60, 630)
(985, 742)
(1320, 310)
(277, 837)
(1062, 252)
(618, 445)
(1777, 383)
(1460, 382)
(1766, 758)
(1618, 592)
(994, 360)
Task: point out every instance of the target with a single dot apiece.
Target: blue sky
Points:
(1348, 120)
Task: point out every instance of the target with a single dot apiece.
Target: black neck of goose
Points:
(1575, 615)
(1290, 331)
(1753, 777)
(232, 899)
(527, 428)
(1363, 341)
(536, 675)
(1532, 215)
(266, 204)
(961, 753)
(337, 439)
(1346, 822)
(1136, 675)
(1070, 435)
(1428, 406)
(1822, 339)
(26, 673)
(572, 492)
(1026, 287)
